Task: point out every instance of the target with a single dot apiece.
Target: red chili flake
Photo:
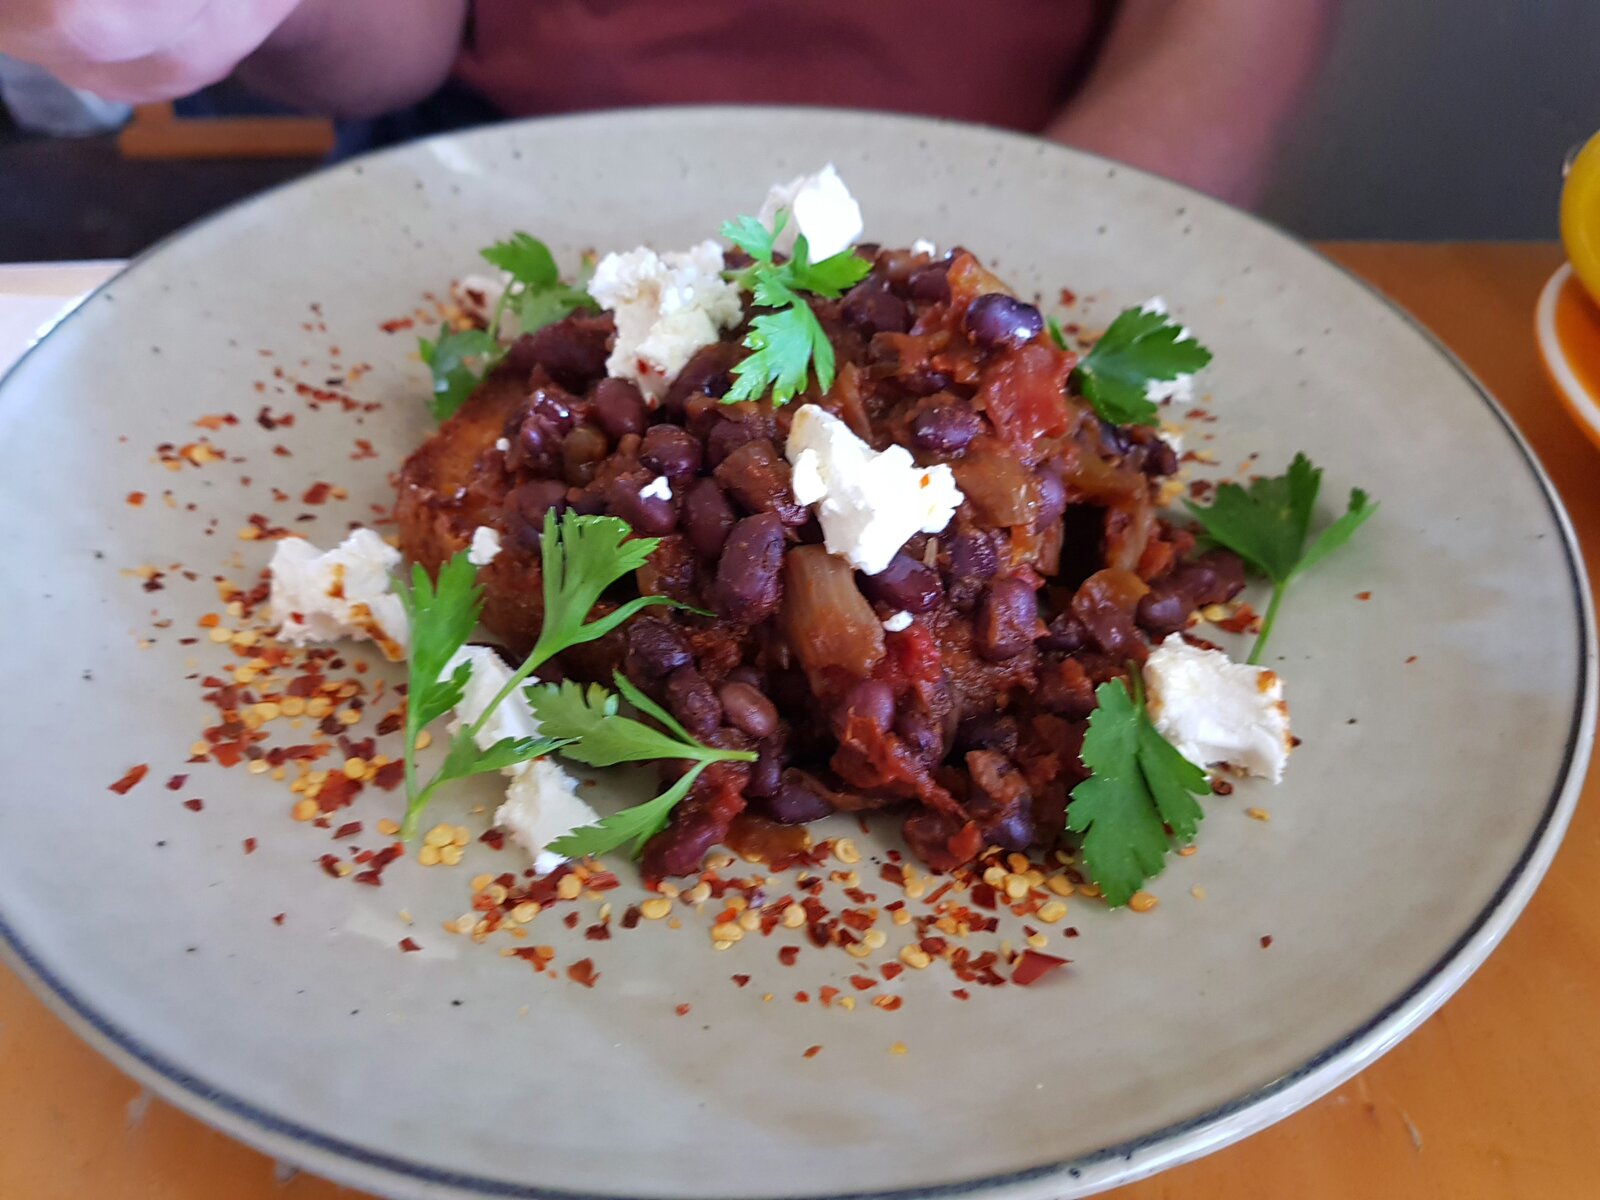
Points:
(983, 895)
(1266, 940)
(278, 920)
(812, 1051)
(887, 1003)
(1411, 660)
(1068, 297)
(363, 450)
(1032, 965)
(131, 780)
(337, 792)
(598, 933)
(802, 998)
(175, 784)
(788, 954)
(631, 916)
(601, 881)
(317, 493)
(249, 845)
(570, 920)
(857, 919)
(330, 864)
(1222, 787)
(891, 970)
(135, 498)
(939, 893)
(396, 325)
(740, 980)
(1070, 931)
(390, 775)
(861, 983)
(892, 873)
(409, 946)
(1363, 595)
(349, 829)
(583, 972)
(1244, 618)
(682, 1010)
(826, 995)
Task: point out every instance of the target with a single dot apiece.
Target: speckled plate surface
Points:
(1446, 720)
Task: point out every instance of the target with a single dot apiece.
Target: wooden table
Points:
(1494, 1097)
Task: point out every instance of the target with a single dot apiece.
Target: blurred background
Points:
(1431, 119)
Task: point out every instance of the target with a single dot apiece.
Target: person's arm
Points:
(342, 57)
(1198, 90)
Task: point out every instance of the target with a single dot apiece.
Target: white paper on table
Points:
(33, 297)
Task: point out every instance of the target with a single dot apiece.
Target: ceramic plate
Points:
(1566, 325)
(1446, 719)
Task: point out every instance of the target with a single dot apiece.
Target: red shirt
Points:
(1001, 62)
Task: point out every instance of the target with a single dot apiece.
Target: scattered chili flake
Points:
(330, 864)
(1266, 940)
(135, 499)
(812, 1052)
(570, 920)
(583, 972)
(960, 993)
(682, 1010)
(1363, 595)
(249, 845)
(175, 784)
(802, 998)
(1222, 787)
(131, 780)
(740, 980)
(1411, 660)
(349, 829)
(887, 1003)
(278, 920)
(1032, 965)
(826, 994)
(317, 493)
(891, 970)
(409, 946)
(861, 983)
(788, 954)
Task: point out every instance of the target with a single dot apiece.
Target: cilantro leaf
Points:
(637, 823)
(465, 759)
(790, 343)
(599, 736)
(1056, 336)
(1267, 525)
(1139, 786)
(446, 357)
(538, 307)
(525, 258)
(1141, 346)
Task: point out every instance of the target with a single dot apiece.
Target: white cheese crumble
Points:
(898, 621)
(659, 488)
(541, 801)
(479, 295)
(667, 306)
(1181, 389)
(541, 805)
(821, 207)
(924, 246)
(321, 596)
(502, 444)
(485, 547)
(870, 503)
(1214, 710)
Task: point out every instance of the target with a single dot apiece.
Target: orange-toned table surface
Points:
(1497, 1096)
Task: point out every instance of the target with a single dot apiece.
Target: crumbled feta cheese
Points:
(321, 596)
(869, 503)
(502, 444)
(821, 207)
(1179, 390)
(1214, 710)
(1156, 304)
(541, 805)
(897, 622)
(512, 718)
(924, 246)
(485, 546)
(659, 488)
(667, 306)
(479, 295)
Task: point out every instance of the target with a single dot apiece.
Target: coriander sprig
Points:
(1140, 787)
(581, 556)
(1142, 346)
(790, 343)
(596, 734)
(534, 293)
(1267, 526)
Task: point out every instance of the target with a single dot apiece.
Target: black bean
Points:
(581, 453)
(1161, 458)
(1066, 633)
(747, 709)
(795, 804)
(1165, 608)
(649, 516)
(997, 320)
(922, 733)
(973, 559)
(1008, 620)
(873, 700)
(1216, 577)
(656, 647)
(726, 436)
(749, 582)
(945, 429)
(572, 350)
(923, 380)
(536, 445)
(757, 476)
(707, 517)
(988, 731)
(766, 773)
(589, 504)
(904, 583)
(671, 451)
(691, 700)
(707, 373)
(1113, 437)
(748, 675)
(530, 501)
(930, 284)
(619, 408)
(872, 308)
(1052, 496)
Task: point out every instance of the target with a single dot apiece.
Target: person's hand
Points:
(138, 51)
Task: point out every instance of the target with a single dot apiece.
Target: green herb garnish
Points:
(1267, 526)
(447, 358)
(580, 557)
(1143, 346)
(1140, 787)
(790, 343)
(596, 734)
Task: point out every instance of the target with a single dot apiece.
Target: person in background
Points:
(1197, 90)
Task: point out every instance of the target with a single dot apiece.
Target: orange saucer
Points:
(1566, 326)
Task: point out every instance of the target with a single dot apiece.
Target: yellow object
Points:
(1580, 215)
